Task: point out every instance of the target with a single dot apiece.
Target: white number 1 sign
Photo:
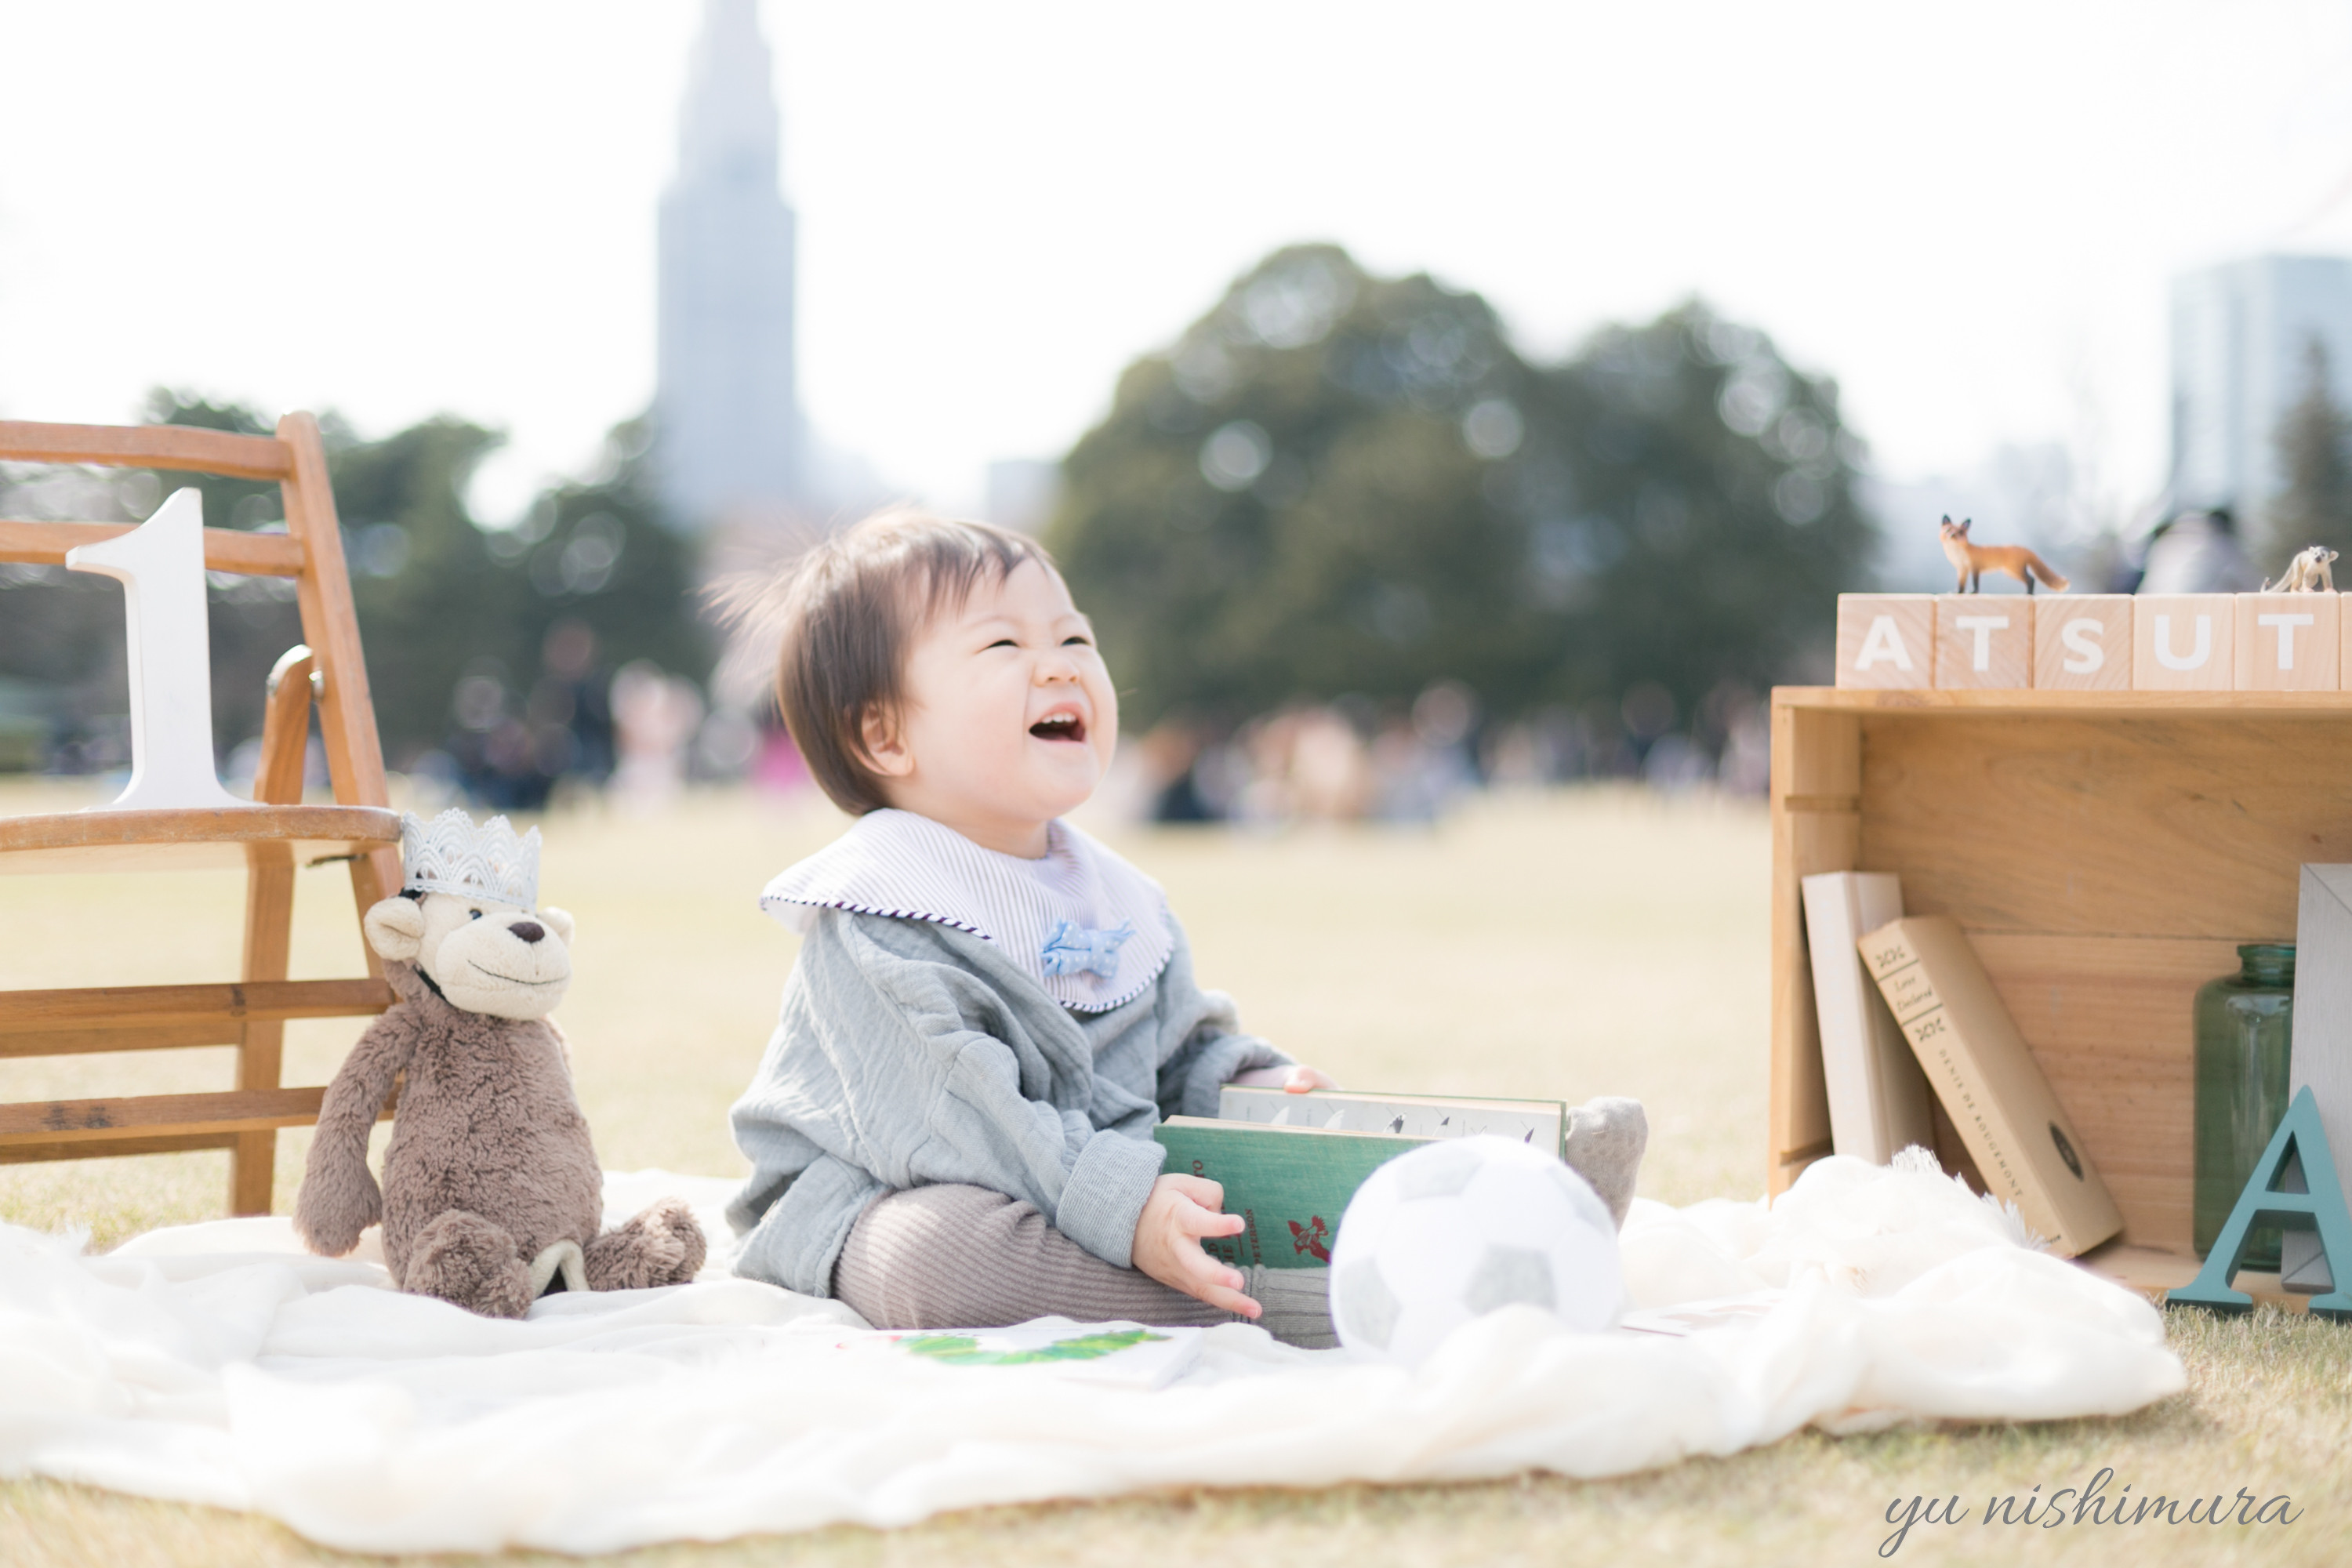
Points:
(160, 565)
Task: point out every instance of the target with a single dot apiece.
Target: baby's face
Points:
(1009, 719)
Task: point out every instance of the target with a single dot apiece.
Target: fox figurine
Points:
(1970, 561)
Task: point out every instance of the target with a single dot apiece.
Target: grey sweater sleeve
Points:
(910, 1054)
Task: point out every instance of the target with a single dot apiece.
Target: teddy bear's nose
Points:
(529, 930)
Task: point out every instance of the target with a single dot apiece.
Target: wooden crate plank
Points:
(2323, 705)
(2108, 1020)
(1815, 753)
(2152, 1271)
(2166, 826)
(1816, 777)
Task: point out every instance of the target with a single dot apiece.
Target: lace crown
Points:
(451, 855)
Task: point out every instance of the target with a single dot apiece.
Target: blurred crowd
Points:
(1354, 761)
(638, 736)
(636, 733)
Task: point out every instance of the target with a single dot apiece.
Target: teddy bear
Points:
(492, 1192)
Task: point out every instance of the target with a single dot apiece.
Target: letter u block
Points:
(1886, 640)
(2083, 642)
(2289, 642)
(1984, 640)
(2184, 642)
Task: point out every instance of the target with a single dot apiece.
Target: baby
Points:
(952, 1126)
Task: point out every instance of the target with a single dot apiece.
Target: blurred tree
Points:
(1336, 484)
(439, 598)
(67, 633)
(1707, 520)
(2315, 447)
(1291, 503)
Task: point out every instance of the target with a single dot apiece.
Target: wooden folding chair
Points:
(268, 837)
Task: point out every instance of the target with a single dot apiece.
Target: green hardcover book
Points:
(1289, 1185)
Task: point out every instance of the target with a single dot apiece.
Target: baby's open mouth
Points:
(1059, 727)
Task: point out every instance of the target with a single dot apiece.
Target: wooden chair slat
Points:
(269, 913)
(225, 549)
(88, 1149)
(138, 1006)
(362, 827)
(331, 625)
(159, 1115)
(146, 1038)
(178, 447)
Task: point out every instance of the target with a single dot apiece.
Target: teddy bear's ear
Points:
(395, 928)
(558, 921)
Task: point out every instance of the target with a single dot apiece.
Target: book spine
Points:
(1919, 1011)
(1832, 929)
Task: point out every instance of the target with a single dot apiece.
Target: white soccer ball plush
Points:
(1453, 1231)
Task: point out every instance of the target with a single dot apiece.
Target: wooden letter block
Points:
(2183, 642)
(1887, 639)
(2083, 642)
(2289, 642)
(1984, 640)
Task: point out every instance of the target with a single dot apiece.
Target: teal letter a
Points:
(2266, 1202)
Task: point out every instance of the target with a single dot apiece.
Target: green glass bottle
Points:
(2244, 1022)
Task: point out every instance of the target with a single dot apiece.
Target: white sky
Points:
(1966, 213)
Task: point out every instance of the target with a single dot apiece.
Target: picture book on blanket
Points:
(1111, 1355)
(1289, 1162)
(2020, 1136)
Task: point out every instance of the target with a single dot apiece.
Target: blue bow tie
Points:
(1072, 949)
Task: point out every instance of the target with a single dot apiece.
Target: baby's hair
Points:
(851, 607)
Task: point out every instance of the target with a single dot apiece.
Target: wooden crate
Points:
(2106, 851)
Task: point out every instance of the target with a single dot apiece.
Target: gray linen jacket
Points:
(911, 1053)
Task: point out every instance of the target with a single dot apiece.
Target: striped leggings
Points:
(951, 1256)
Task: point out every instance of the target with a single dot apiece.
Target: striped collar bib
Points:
(1090, 928)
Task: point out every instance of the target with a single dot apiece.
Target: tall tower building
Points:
(2242, 341)
(727, 408)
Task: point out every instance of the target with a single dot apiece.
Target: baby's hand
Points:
(1297, 1079)
(1179, 1212)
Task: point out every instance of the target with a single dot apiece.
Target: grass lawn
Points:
(1569, 946)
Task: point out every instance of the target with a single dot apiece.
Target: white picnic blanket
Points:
(217, 1363)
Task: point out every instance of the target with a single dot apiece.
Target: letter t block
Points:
(2287, 642)
(1984, 640)
(1886, 640)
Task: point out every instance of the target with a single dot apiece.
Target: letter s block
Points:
(1984, 641)
(2288, 642)
(2184, 642)
(1886, 640)
(2083, 642)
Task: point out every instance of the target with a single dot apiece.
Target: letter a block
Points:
(1887, 639)
(2289, 642)
(2083, 642)
(2184, 642)
(1984, 641)
(2274, 1196)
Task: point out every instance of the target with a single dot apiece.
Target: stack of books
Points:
(1906, 1007)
